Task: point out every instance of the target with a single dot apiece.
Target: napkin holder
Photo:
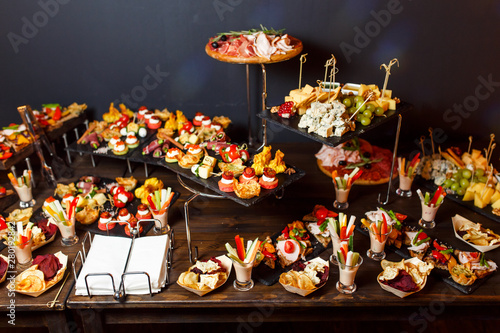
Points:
(120, 294)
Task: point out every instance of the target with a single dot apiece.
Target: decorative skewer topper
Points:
(387, 73)
(302, 60)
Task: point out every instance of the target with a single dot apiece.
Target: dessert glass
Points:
(161, 221)
(243, 280)
(68, 232)
(23, 254)
(25, 196)
(336, 247)
(341, 197)
(347, 274)
(428, 216)
(404, 189)
(376, 251)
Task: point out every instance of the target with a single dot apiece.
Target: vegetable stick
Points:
(348, 259)
(13, 179)
(332, 229)
(350, 226)
(375, 232)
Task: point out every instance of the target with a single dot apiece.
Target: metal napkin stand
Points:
(120, 294)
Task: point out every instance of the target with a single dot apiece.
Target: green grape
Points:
(482, 179)
(455, 186)
(370, 107)
(347, 102)
(457, 175)
(367, 113)
(361, 108)
(461, 191)
(447, 183)
(358, 99)
(351, 110)
(379, 111)
(479, 173)
(464, 183)
(359, 117)
(466, 173)
(365, 121)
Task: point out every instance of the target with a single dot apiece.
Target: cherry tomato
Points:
(227, 175)
(289, 247)
(400, 217)
(438, 247)
(118, 203)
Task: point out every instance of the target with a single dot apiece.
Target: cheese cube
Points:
(307, 89)
(205, 171)
(209, 161)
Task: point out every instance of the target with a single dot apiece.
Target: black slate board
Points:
(267, 276)
(118, 230)
(292, 125)
(212, 182)
(87, 149)
(486, 211)
(444, 275)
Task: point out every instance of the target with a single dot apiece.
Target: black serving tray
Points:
(118, 230)
(486, 211)
(212, 182)
(87, 149)
(442, 274)
(292, 125)
(268, 276)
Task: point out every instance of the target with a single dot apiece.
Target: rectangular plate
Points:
(212, 182)
(292, 124)
(118, 230)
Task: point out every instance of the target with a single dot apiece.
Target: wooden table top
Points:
(214, 222)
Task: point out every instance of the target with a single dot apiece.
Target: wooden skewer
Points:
(432, 140)
(387, 73)
(492, 138)
(89, 130)
(177, 144)
(302, 60)
(422, 139)
(470, 144)
(493, 146)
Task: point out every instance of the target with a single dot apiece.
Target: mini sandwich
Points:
(439, 254)
(476, 262)
(293, 244)
(418, 242)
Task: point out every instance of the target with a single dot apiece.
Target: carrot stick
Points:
(167, 203)
(375, 232)
(13, 179)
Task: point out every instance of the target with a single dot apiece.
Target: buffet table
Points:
(215, 222)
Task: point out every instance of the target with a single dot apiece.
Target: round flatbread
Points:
(378, 173)
(214, 53)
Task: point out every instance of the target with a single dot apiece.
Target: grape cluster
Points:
(365, 113)
(461, 180)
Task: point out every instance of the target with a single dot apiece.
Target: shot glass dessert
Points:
(406, 175)
(347, 272)
(430, 205)
(379, 233)
(343, 187)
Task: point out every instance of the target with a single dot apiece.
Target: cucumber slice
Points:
(355, 258)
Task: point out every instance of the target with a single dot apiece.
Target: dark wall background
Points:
(98, 51)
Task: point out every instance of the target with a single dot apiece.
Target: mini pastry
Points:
(206, 122)
(268, 179)
(132, 141)
(120, 148)
(103, 219)
(154, 122)
(143, 212)
(173, 155)
(195, 150)
(124, 215)
(248, 176)
(226, 182)
(113, 141)
(198, 118)
(133, 224)
(141, 112)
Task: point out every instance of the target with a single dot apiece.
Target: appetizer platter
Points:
(292, 124)
(254, 46)
(298, 243)
(469, 177)
(15, 140)
(206, 276)
(97, 201)
(450, 263)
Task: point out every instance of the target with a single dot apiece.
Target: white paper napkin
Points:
(109, 255)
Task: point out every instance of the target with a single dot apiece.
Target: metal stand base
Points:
(394, 154)
(186, 215)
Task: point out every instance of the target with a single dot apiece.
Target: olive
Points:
(215, 45)
(342, 162)
(223, 38)
(367, 154)
(367, 166)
